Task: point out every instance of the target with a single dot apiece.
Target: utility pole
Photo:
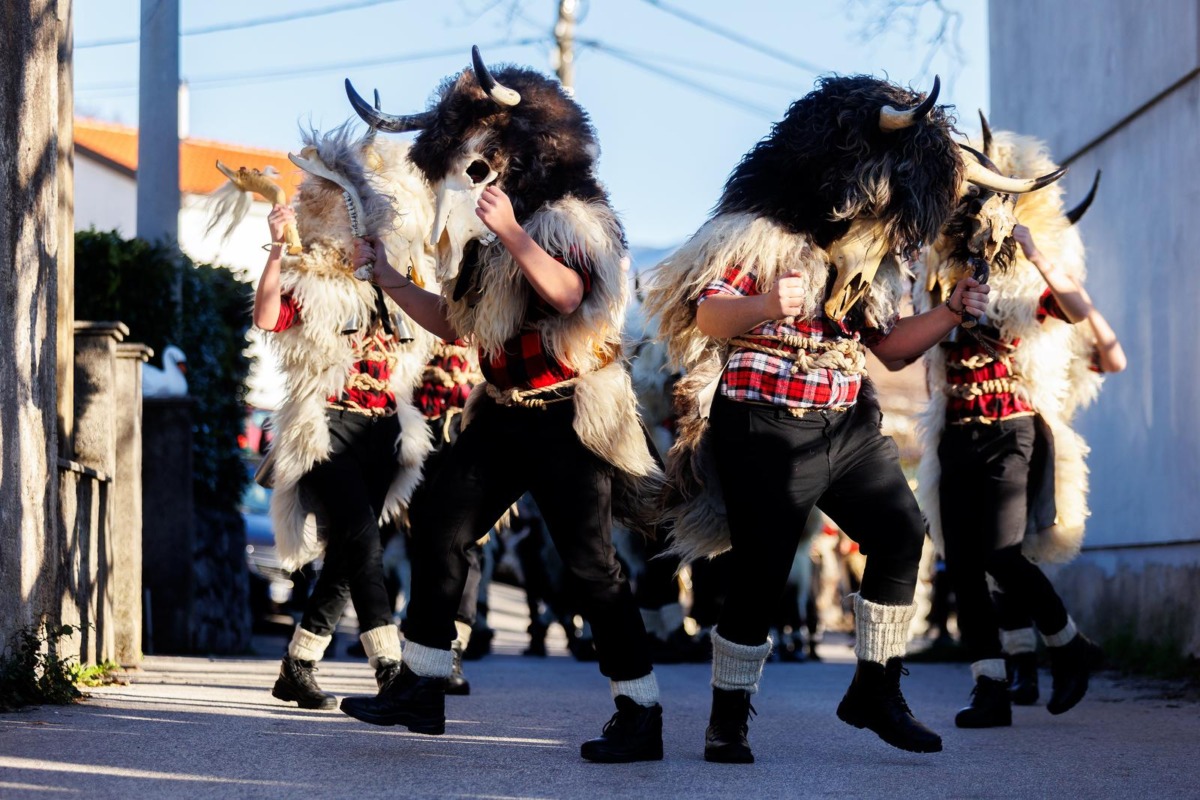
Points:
(158, 127)
(564, 40)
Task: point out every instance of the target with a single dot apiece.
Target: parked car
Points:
(276, 594)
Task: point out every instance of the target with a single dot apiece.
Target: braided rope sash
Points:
(966, 391)
(534, 398)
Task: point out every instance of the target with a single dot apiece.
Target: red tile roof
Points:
(116, 145)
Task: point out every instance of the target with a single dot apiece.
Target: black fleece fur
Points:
(827, 158)
(544, 148)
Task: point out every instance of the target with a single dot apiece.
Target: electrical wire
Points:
(750, 77)
(248, 23)
(734, 36)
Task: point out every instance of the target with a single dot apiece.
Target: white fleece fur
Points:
(1052, 359)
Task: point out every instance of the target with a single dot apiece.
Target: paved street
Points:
(197, 727)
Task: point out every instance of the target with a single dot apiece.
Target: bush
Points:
(31, 673)
(130, 280)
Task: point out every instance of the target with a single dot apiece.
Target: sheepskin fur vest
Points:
(693, 504)
(1052, 359)
(588, 340)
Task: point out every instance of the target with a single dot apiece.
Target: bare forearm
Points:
(558, 285)
(1071, 297)
(913, 335)
(267, 295)
(424, 307)
(727, 316)
(1111, 355)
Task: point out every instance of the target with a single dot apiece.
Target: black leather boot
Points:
(297, 684)
(1070, 667)
(1023, 678)
(633, 734)
(874, 701)
(407, 699)
(990, 706)
(457, 684)
(385, 670)
(725, 740)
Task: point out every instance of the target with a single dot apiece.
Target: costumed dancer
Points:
(770, 307)
(529, 256)
(998, 426)
(349, 443)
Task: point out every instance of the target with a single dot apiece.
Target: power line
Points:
(683, 80)
(734, 36)
(750, 77)
(248, 23)
(288, 73)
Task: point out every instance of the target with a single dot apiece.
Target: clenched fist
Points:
(786, 298)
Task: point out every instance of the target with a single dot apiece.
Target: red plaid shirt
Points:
(366, 387)
(447, 380)
(756, 377)
(523, 362)
(968, 363)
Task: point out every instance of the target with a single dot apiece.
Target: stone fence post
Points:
(127, 504)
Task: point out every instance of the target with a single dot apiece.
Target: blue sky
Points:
(667, 146)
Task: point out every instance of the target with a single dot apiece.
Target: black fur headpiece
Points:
(544, 148)
(828, 162)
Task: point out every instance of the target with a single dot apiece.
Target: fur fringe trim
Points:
(643, 690)
(737, 667)
(1052, 360)
(881, 631)
(583, 340)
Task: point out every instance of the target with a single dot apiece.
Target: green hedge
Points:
(130, 280)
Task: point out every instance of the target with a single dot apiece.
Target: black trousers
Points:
(504, 452)
(348, 490)
(774, 467)
(984, 503)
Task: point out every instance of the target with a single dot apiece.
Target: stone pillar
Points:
(29, 249)
(96, 447)
(168, 538)
(127, 505)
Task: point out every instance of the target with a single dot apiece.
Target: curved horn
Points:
(980, 175)
(503, 95)
(1076, 213)
(987, 134)
(982, 159)
(392, 123)
(893, 119)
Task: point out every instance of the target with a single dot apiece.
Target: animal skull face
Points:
(455, 221)
(990, 221)
(856, 257)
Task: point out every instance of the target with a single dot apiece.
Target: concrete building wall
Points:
(1116, 86)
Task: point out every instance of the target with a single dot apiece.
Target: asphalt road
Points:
(198, 727)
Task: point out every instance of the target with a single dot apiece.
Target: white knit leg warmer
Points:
(1014, 643)
(989, 668)
(428, 662)
(381, 642)
(643, 690)
(464, 635)
(881, 632)
(307, 646)
(1062, 637)
(737, 666)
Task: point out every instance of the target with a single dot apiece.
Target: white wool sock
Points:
(1063, 637)
(381, 642)
(428, 662)
(989, 668)
(881, 632)
(643, 690)
(464, 634)
(1022, 640)
(737, 666)
(307, 646)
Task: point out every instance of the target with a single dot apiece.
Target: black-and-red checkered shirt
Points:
(523, 362)
(366, 388)
(756, 377)
(447, 380)
(967, 364)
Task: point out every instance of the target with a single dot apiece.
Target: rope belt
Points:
(978, 361)
(534, 398)
(808, 355)
(980, 388)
